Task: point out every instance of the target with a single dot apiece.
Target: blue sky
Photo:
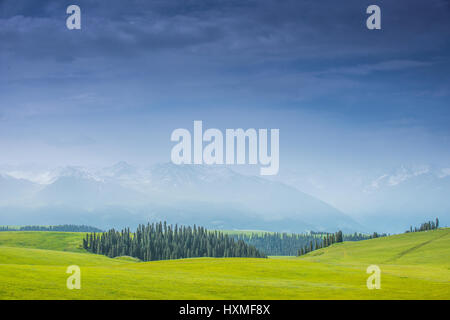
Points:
(345, 98)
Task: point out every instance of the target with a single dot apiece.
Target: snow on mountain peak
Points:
(404, 174)
(42, 177)
(77, 172)
(120, 169)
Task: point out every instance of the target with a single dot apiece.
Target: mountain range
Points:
(387, 200)
(124, 195)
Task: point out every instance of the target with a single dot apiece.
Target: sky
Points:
(346, 99)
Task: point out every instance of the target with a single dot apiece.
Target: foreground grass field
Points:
(413, 266)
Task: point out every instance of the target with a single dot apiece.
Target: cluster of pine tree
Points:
(323, 242)
(60, 228)
(356, 237)
(429, 225)
(376, 235)
(327, 239)
(159, 241)
(286, 244)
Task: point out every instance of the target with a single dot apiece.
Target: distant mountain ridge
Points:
(213, 196)
(387, 200)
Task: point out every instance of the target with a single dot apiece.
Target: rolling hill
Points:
(413, 266)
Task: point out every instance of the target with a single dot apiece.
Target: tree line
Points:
(59, 228)
(323, 242)
(327, 239)
(426, 226)
(288, 244)
(160, 241)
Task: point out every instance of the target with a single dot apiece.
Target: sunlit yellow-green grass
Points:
(61, 241)
(413, 266)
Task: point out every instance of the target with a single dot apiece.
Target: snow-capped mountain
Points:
(214, 196)
(118, 170)
(408, 195)
(421, 176)
(388, 200)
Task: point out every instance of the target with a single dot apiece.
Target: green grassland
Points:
(413, 266)
(59, 241)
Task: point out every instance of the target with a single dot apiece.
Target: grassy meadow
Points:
(413, 266)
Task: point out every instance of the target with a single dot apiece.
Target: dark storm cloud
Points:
(265, 29)
(252, 52)
(47, 37)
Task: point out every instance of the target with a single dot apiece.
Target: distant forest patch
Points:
(289, 244)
